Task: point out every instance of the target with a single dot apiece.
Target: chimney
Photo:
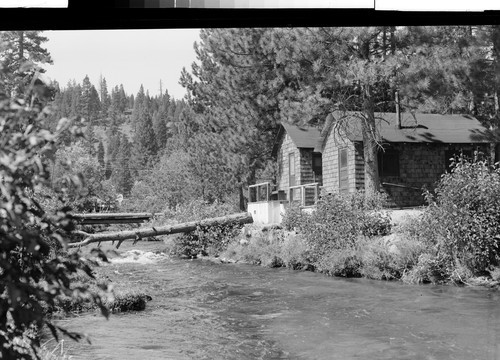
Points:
(398, 110)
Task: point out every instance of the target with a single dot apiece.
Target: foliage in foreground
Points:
(31, 272)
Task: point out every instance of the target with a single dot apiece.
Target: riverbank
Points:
(399, 255)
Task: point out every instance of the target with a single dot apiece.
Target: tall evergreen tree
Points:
(22, 55)
(104, 97)
(160, 129)
(76, 94)
(123, 99)
(121, 175)
(100, 154)
(131, 101)
(90, 139)
(235, 97)
(145, 145)
(89, 101)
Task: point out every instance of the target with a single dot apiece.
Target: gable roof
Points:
(308, 137)
(427, 128)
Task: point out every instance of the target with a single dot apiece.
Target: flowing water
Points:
(203, 310)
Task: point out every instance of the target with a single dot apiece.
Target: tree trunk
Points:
(496, 58)
(384, 42)
(393, 40)
(21, 45)
(370, 146)
(241, 218)
(243, 204)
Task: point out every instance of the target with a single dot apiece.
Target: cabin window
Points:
(317, 167)
(343, 171)
(388, 163)
(291, 169)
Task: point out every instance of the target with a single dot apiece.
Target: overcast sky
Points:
(128, 57)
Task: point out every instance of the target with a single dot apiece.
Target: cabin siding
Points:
(285, 149)
(359, 166)
(331, 178)
(420, 166)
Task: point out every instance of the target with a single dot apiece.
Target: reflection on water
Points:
(202, 310)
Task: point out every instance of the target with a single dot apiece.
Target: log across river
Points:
(203, 310)
(137, 234)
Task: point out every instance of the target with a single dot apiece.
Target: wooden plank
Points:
(113, 215)
(112, 218)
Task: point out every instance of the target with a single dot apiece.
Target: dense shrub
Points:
(270, 248)
(293, 217)
(389, 258)
(465, 216)
(206, 240)
(343, 261)
(339, 220)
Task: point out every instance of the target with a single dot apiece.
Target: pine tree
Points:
(90, 139)
(89, 101)
(104, 97)
(100, 154)
(123, 99)
(109, 170)
(19, 49)
(121, 174)
(76, 93)
(131, 101)
(160, 129)
(145, 145)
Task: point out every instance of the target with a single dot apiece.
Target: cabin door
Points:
(343, 171)
(291, 170)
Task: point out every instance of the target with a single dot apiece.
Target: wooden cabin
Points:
(416, 151)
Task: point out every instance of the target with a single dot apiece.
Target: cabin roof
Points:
(302, 136)
(425, 128)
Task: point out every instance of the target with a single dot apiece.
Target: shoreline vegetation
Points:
(455, 239)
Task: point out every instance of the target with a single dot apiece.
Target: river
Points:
(203, 310)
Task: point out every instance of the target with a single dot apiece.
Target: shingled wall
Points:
(420, 165)
(286, 147)
(331, 163)
(303, 164)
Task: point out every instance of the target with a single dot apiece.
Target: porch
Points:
(267, 204)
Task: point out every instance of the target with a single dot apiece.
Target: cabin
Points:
(415, 151)
(297, 150)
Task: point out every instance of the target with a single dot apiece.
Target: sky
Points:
(128, 57)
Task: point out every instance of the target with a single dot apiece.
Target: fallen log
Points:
(120, 236)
